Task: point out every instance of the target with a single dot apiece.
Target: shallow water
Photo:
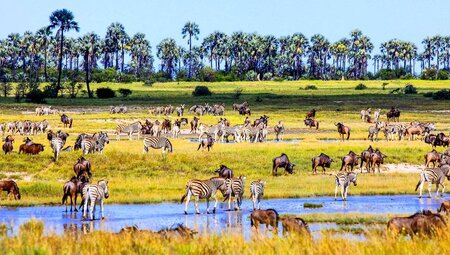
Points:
(193, 140)
(157, 216)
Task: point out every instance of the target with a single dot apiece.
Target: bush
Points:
(125, 92)
(443, 94)
(251, 76)
(310, 87)
(105, 93)
(201, 91)
(207, 74)
(149, 82)
(267, 76)
(361, 87)
(410, 89)
(433, 74)
(104, 75)
(36, 96)
(390, 74)
(442, 75)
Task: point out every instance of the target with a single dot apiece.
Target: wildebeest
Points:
(33, 148)
(282, 161)
(432, 157)
(376, 159)
(365, 158)
(349, 160)
(81, 167)
(445, 207)
(311, 114)
(194, 124)
(166, 126)
(224, 172)
(322, 160)
(71, 189)
(393, 115)
(268, 217)
(8, 145)
(66, 120)
(441, 140)
(206, 142)
(423, 223)
(343, 130)
(311, 123)
(236, 106)
(295, 225)
(10, 186)
(245, 110)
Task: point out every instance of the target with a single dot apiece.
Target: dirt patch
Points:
(402, 168)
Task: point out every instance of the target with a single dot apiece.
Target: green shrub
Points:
(207, 74)
(360, 87)
(410, 89)
(125, 92)
(433, 74)
(104, 75)
(201, 91)
(258, 99)
(267, 76)
(442, 75)
(36, 96)
(310, 87)
(238, 93)
(251, 76)
(428, 94)
(105, 93)
(390, 74)
(443, 94)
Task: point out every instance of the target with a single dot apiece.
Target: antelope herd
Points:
(156, 136)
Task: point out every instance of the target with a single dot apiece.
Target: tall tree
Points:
(43, 38)
(63, 20)
(117, 37)
(89, 45)
(168, 52)
(190, 30)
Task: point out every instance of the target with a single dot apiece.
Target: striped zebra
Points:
(157, 143)
(94, 194)
(90, 144)
(200, 189)
(57, 141)
(236, 187)
(433, 176)
(344, 180)
(257, 192)
(129, 129)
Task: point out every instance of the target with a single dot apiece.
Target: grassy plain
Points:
(138, 178)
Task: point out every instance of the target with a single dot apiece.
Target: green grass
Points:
(138, 178)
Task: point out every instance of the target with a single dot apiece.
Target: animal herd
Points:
(232, 188)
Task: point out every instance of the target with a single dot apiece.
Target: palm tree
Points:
(43, 38)
(89, 45)
(141, 55)
(190, 30)
(428, 50)
(117, 36)
(64, 21)
(168, 52)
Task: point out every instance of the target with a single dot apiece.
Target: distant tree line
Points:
(64, 62)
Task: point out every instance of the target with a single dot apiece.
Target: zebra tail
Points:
(417, 186)
(185, 194)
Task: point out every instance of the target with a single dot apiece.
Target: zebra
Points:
(157, 143)
(213, 129)
(433, 176)
(373, 131)
(376, 114)
(200, 189)
(95, 194)
(236, 188)
(176, 129)
(129, 129)
(257, 192)
(279, 131)
(57, 142)
(234, 131)
(180, 110)
(344, 180)
(89, 144)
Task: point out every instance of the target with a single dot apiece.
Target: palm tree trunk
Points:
(117, 59)
(86, 67)
(58, 85)
(122, 59)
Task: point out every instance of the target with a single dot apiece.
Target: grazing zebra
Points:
(95, 143)
(157, 143)
(236, 188)
(433, 176)
(129, 129)
(200, 189)
(344, 180)
(257, 192)
(95, 194)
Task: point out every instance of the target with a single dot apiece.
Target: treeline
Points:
(48, 55)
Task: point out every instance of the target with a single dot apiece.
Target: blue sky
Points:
(381, 20)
